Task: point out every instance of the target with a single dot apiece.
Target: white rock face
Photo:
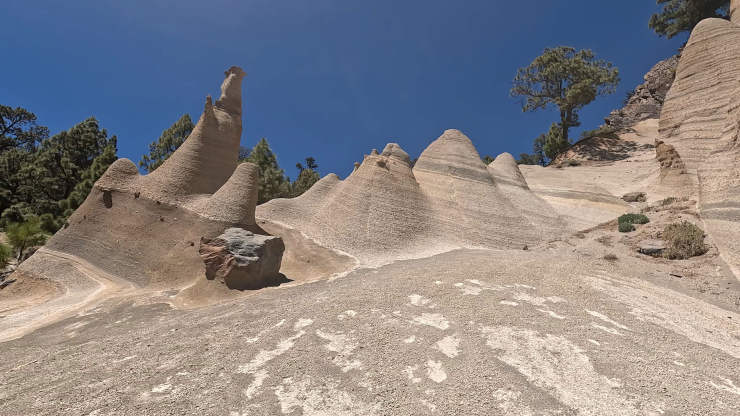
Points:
(385, 211)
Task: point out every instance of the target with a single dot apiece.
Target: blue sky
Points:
(331, 79)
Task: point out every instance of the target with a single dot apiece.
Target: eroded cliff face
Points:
(701, 120)
(648, 99)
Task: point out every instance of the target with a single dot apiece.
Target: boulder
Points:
(634, 197)
(241, 258)
(651, 248)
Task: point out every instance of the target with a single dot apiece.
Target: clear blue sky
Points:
(331, 79)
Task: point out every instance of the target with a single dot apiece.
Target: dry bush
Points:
(668, 201)
(683, 240)
(605, 240)
(611, 257)
(574, 162)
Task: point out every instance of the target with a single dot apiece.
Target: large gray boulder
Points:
(243, 260)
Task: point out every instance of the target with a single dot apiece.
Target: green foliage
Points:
(244, 153)
(306, 178)
(26, 234)
(567, 80)
(18, 129)
(587, 134)
(626, 227)
(683, 240)
(538, 148)
(554, 142)
(627, 222)
(527, 159)
(170, 140)
(488, 159)
(6, 253)
(633, 219)
(573, 162)
(48, 177)
(272, 182)
(679, 16)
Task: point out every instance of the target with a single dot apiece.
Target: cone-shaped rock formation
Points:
(386, 211)
(146, 228)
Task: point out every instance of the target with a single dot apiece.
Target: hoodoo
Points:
(385, 211)
(146, 229)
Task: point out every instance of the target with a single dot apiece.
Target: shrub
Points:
(668, 201)
(611, 257)
(683, 240)
(574, 162)
(25, 235)
(626, 227)
(633, 219)
(6, 253)
(605, 240)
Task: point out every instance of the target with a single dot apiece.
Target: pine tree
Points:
(272, 181)
(679, 16)
(170, 140)
(306, 177)
(554, 141)
(567, 80)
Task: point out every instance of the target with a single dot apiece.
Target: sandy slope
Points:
(550, 331)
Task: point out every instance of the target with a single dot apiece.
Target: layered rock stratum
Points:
(386, 211)
(701, 119)
(145, 229)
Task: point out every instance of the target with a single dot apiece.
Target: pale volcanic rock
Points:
(505, 171)
(694, 114)
(378, 214)
(385, 211)
(470, 209)
(540, 213)
(143, 229)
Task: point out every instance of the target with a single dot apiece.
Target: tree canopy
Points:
(48, 177)
(306, 177)
(170, 140)
(272, 181)
(567, 80)
(679, 16)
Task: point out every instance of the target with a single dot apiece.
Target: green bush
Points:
(683, 240)
(626, 227)
(633, 219)
(574, 162)
(6, 253)
(25, 235)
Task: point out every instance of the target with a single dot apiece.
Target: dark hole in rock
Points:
(107, 199)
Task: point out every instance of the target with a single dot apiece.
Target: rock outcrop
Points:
(701, 119)
(144, 228)
(242, 259)
(647, 99)
(386, 211)
(695, 112)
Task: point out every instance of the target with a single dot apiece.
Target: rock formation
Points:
(145, 228)
(647, 99)
(385, 211)
(695, 112)
(242, 259)
(701, 119)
